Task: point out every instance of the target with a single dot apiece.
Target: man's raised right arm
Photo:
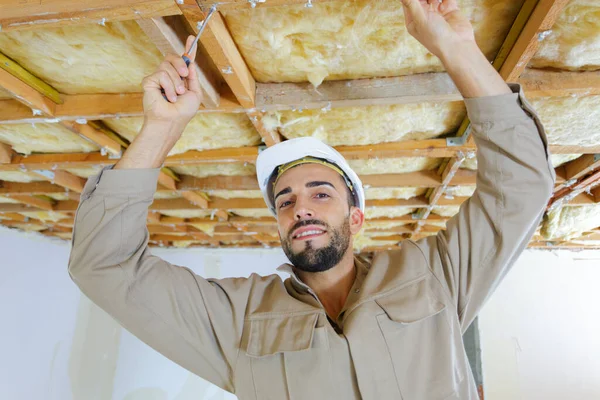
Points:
(193, 321)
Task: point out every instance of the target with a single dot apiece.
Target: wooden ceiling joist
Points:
(222, 50)
(538, 24)
(51, 13)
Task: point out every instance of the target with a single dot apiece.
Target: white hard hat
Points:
(296, 149)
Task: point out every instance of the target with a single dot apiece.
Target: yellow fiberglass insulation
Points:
(166, 195)
(51, 216)
(204, 170)
(92, 58)
(252, 212)
(209, 229)
(57, 196)
(393, 193)
(574, 41)
(236, 194)
(371, 124)
(19, 176)
(205, 131)
(570, 221)
(187, 213)
(84, 172)
(387, 212)
(377, 166)
(460, 191)
(7, 200)
(570, 120)
(445, 211)
(556, 159)
(361, 241)
(350, 39)
(43, 138)
(381, 225)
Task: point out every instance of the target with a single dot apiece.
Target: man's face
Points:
(316, 223)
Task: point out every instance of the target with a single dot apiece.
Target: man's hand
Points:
(164, 121)
(438, 25)
(181, 87)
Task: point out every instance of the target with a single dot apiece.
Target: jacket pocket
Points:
(423, 346)
(290, 357)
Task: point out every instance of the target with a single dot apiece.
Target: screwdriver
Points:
(186, 56)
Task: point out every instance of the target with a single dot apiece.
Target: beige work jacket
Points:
(399, 334)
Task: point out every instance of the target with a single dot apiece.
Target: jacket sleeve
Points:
(515, 180)
(195, 322)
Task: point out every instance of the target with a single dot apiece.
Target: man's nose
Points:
(303, 211)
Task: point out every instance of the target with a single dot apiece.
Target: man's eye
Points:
(322, 195)
(284, 204)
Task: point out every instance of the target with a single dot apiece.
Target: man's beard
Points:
(321, 259)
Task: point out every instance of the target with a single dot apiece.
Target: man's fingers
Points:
(166, 83)
(178, 83)
(178, 64)
(193, 51)
(414, 10)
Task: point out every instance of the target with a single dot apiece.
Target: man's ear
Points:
(357, 219)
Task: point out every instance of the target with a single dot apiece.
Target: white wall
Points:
(56, 345)
(540, 331)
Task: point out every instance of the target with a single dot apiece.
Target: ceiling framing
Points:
(229, 87)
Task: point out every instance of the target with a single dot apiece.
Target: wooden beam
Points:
(27, 78)
(62, 178)
(247, 4)
(547, 83)
(6, 153)
(224, 53)
(408, 89)
(169, 36)
(270, 137)
(21, 90)
(538, 25)
(34, 201)
(29, 14)
(85, 130)
(417, 88)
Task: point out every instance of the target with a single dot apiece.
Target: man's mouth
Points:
(308, 234)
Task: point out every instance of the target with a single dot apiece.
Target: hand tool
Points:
(186, 56)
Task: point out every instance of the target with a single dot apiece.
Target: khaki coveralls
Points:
(399, 334)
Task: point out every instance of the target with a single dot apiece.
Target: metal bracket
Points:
(262, 148)
(456, 141)
(596, 157)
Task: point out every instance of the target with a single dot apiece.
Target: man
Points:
(336, 329)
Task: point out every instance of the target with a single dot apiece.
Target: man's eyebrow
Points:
(319, 183)
(284, 191)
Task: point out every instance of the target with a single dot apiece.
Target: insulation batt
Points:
(393, 165)
(570, 221)
(19, 176)
(556, 159)
(350, 39)
(371, 124)
(204, 170)
(206, 131)
(574, 42)
(570, 120)
(92, 58)
(43, 138)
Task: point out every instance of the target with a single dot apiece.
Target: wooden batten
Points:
(53, 13)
